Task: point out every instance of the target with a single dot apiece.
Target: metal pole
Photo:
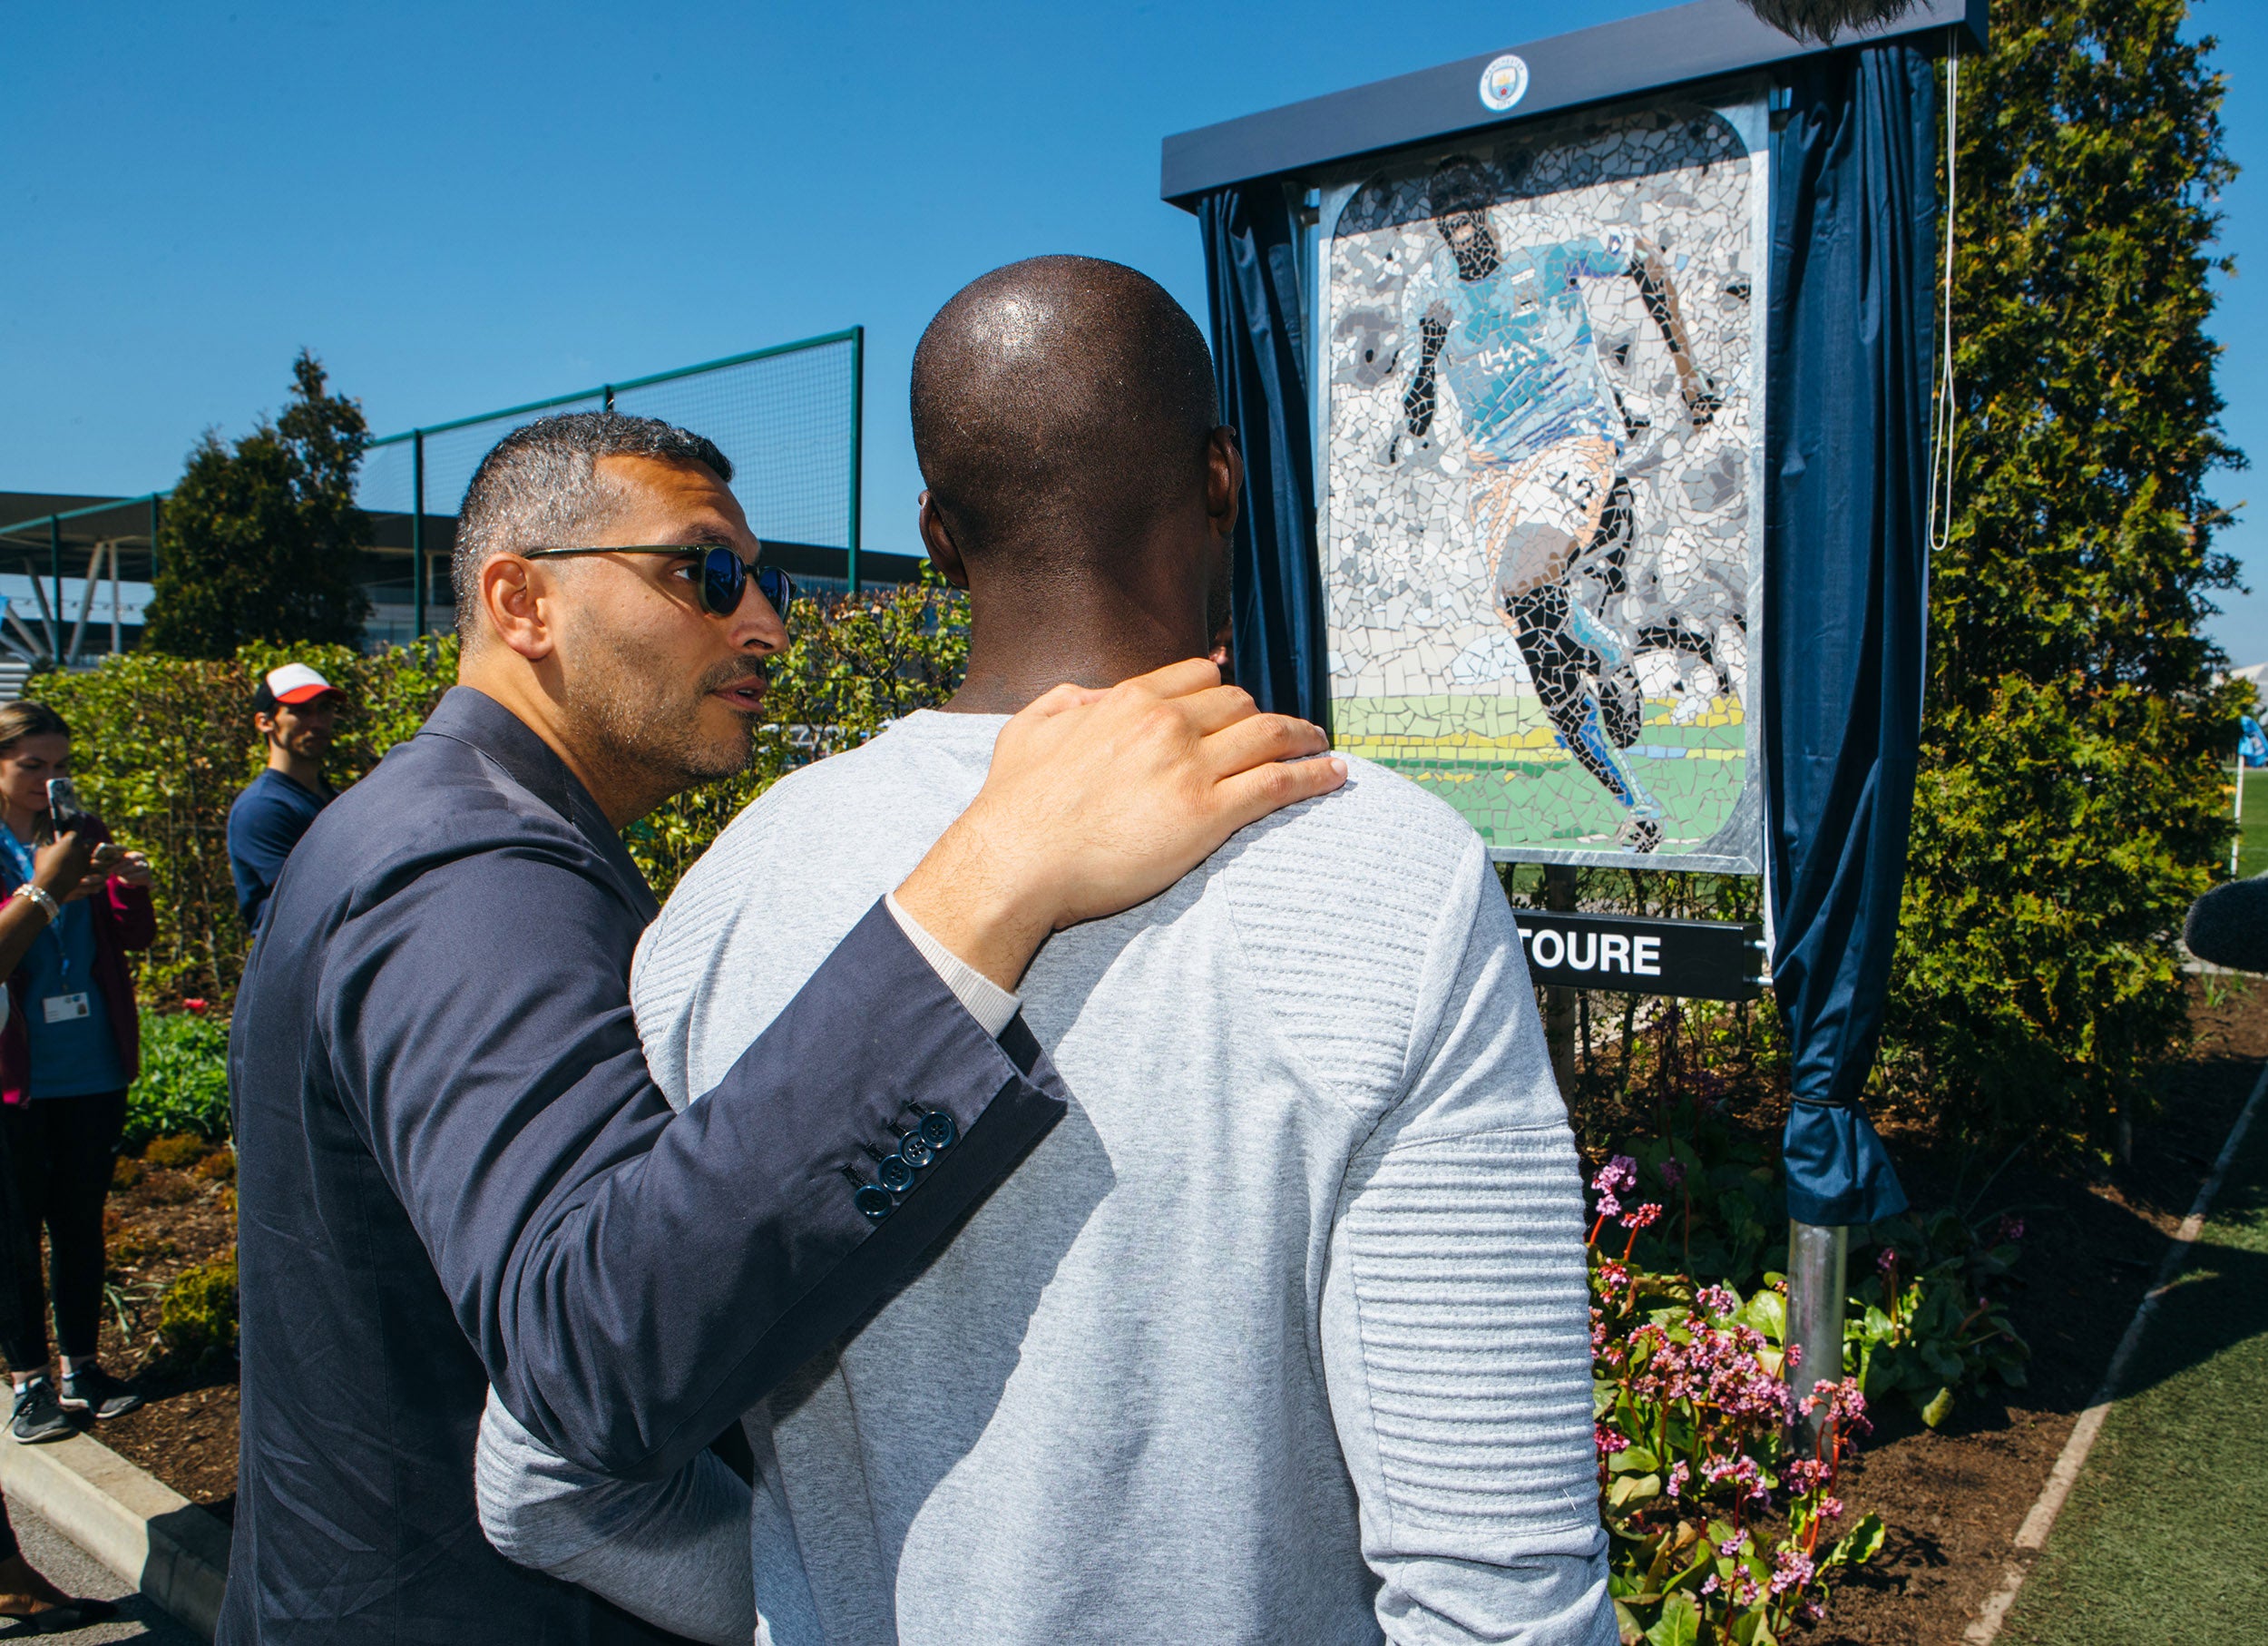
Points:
(857, 442)
(116, 647)
(153, 540)
(2236, 847)
(1817, 1260)
(417, 590)
(1558, 1003)
(54, 567)
(86, 604)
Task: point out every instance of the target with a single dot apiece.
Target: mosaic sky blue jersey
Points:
(1520, 354)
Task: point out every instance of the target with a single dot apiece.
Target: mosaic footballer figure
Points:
(1507, 328)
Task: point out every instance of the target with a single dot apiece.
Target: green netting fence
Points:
(76, 583)
(788, 417)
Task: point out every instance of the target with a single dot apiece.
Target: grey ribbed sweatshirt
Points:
(1281, 1336)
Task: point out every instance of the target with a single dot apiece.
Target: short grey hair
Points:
(539, 486)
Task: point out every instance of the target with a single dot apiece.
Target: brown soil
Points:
(1953, 1499)
(167, 1222)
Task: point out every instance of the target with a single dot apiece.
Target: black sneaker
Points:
(38, 1414)
(90, 1388)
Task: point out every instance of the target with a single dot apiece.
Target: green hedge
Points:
(164, 745)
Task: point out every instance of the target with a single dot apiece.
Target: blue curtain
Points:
(1846, 567)
(1252, 246)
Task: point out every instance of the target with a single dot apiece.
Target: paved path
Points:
(76, 1572)
(2163, 1537)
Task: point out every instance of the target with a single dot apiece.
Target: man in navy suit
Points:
(454, 1167)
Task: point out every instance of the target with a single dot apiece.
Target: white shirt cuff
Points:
(992, 1006)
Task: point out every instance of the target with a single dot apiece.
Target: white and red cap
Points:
(293, 683)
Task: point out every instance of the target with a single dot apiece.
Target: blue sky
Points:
(463, 207)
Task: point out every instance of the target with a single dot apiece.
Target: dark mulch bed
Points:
(167, 1222)
(1952, 1499)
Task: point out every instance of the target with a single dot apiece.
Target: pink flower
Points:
(1716, 1300)
(1845, 1405)
(1619, 1175)
(194, 1005)
(1741, 1472)
(1673, 1171)
(1802, 1474)
(2012, 1228)
(1831, 1508)
(1609, 1441)
(1644, 1217)
(1732, 1545)
(1794, 1352)
(1678, 1476)
(1712, 1585)
(1888, 1260)
(1608, 1207)
(1849, 1405)
(1793, 1570)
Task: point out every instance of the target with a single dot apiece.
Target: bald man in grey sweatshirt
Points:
(1283, 1334)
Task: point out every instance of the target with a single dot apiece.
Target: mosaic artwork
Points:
(1541, 533)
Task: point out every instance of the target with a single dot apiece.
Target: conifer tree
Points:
(262, 542)
(2071, 802)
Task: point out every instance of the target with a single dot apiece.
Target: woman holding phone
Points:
(71, 1048)
(24, 1594)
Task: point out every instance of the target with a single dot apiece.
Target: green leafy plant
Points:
(1718, 1530)
(197, 1315)
(1926, 1318)
(1721, 1191)
(1926, 1323)
(181, 1099)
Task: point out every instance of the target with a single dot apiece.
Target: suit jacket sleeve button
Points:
(938, 1131)
(896, 1173)
(875, 1201)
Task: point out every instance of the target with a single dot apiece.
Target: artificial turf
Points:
(2253, 854)
(2165, 1534)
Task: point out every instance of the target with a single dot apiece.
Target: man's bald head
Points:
(1060, 404)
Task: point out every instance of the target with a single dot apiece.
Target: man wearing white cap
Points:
(296, 709)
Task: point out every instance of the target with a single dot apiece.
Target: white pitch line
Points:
(2032, 1536)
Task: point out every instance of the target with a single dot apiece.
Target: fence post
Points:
(417, 530)
(55, 568)
(857, 449)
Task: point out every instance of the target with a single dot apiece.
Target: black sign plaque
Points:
(1698, 959)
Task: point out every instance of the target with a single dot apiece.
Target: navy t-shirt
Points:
(264, 825)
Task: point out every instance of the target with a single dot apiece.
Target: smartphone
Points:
(65, 810)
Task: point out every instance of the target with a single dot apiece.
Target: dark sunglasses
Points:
(725, 576)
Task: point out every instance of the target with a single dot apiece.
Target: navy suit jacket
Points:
(455, 1171)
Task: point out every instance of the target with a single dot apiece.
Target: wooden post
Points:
(1558, 1003)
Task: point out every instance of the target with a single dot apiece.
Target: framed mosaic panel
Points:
(1541, 446)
